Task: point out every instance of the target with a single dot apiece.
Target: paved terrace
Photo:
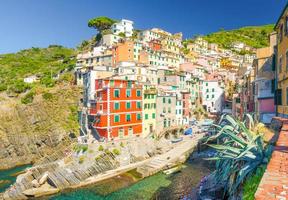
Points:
(274, 183)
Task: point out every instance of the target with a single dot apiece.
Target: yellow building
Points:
(281, 28)
(149, 110)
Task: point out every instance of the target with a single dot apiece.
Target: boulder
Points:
(35, 183)
(43, 179)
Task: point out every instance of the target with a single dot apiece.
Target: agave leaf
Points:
(247, 150)
(223, 147)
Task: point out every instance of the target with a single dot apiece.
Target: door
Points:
(130, 131)
(151, 128)
(121, 132)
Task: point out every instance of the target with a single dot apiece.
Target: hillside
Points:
(43, 62)
(37, 119)
(254, 36)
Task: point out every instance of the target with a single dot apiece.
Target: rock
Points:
(35, 183)
(45, 189)
(43, 179)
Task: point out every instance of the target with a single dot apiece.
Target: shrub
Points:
(47, 81)
(3, 87)
(100, 148)
(81, 159)
(47, 96)
(122, 144)
(19, 87)
(28, 98)
(116, 151)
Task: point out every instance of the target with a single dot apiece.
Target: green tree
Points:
(101, 23)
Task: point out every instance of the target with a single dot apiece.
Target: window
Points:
(138, 116)
(138, 104)
(169, 110)
(138, 93)
(212, 95)
(286, 96)
(213, 90)
(287, 60)
(116, 118)
(164, 110)
(128, 117)
(164, 100)
(116, 106)
(280, 36)
(278, 97)
(207, 90)
(280, 64)
(128, 105)
(128, 93)
(146, 116)
(116, 93)
(207, 96)
(112, 83)
(206, 84)
(169, 101)
(165, 123)
(286, 25)
(153, 115)
(129, 84)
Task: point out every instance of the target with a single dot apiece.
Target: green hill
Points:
(254, 36)
(43, 62)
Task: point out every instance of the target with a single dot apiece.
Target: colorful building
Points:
(165, 111)
(117, 108)
(265, 82)
(149, 110)
(281, 28)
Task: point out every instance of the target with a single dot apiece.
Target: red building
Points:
(186, 103)
(155, 45)
(118, 108)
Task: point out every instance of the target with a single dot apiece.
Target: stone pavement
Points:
(274, 183)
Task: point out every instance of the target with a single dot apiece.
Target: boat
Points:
(173, 170)
(177, 140)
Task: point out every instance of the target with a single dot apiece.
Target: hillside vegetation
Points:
(46, 63)
(37, 118)
(254, 36)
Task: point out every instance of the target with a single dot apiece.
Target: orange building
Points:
(123, 52)
(118, 108)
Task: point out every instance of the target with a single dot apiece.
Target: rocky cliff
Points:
(30, 132)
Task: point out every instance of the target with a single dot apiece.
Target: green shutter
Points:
(128, 105)
(116, 93)
(146, 116)
(153, 115)
(138, 104)
(128, 93)
(128, 117)
(116, 118)
(138, 93)
(116, 106)
(138, 116)
(169, 100)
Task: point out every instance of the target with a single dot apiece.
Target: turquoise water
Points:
(7, 177)
(181, 185)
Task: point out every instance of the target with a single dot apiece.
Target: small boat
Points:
(177, 140)
(173, 170)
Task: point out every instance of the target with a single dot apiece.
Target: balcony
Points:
(150, 91)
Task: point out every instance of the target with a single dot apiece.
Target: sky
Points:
(39, 23)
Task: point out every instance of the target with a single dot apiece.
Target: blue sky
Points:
(38, 23)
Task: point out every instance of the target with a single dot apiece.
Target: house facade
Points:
(117, 109)
(281, 28)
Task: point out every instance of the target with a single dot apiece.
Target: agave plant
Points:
(239, 152)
